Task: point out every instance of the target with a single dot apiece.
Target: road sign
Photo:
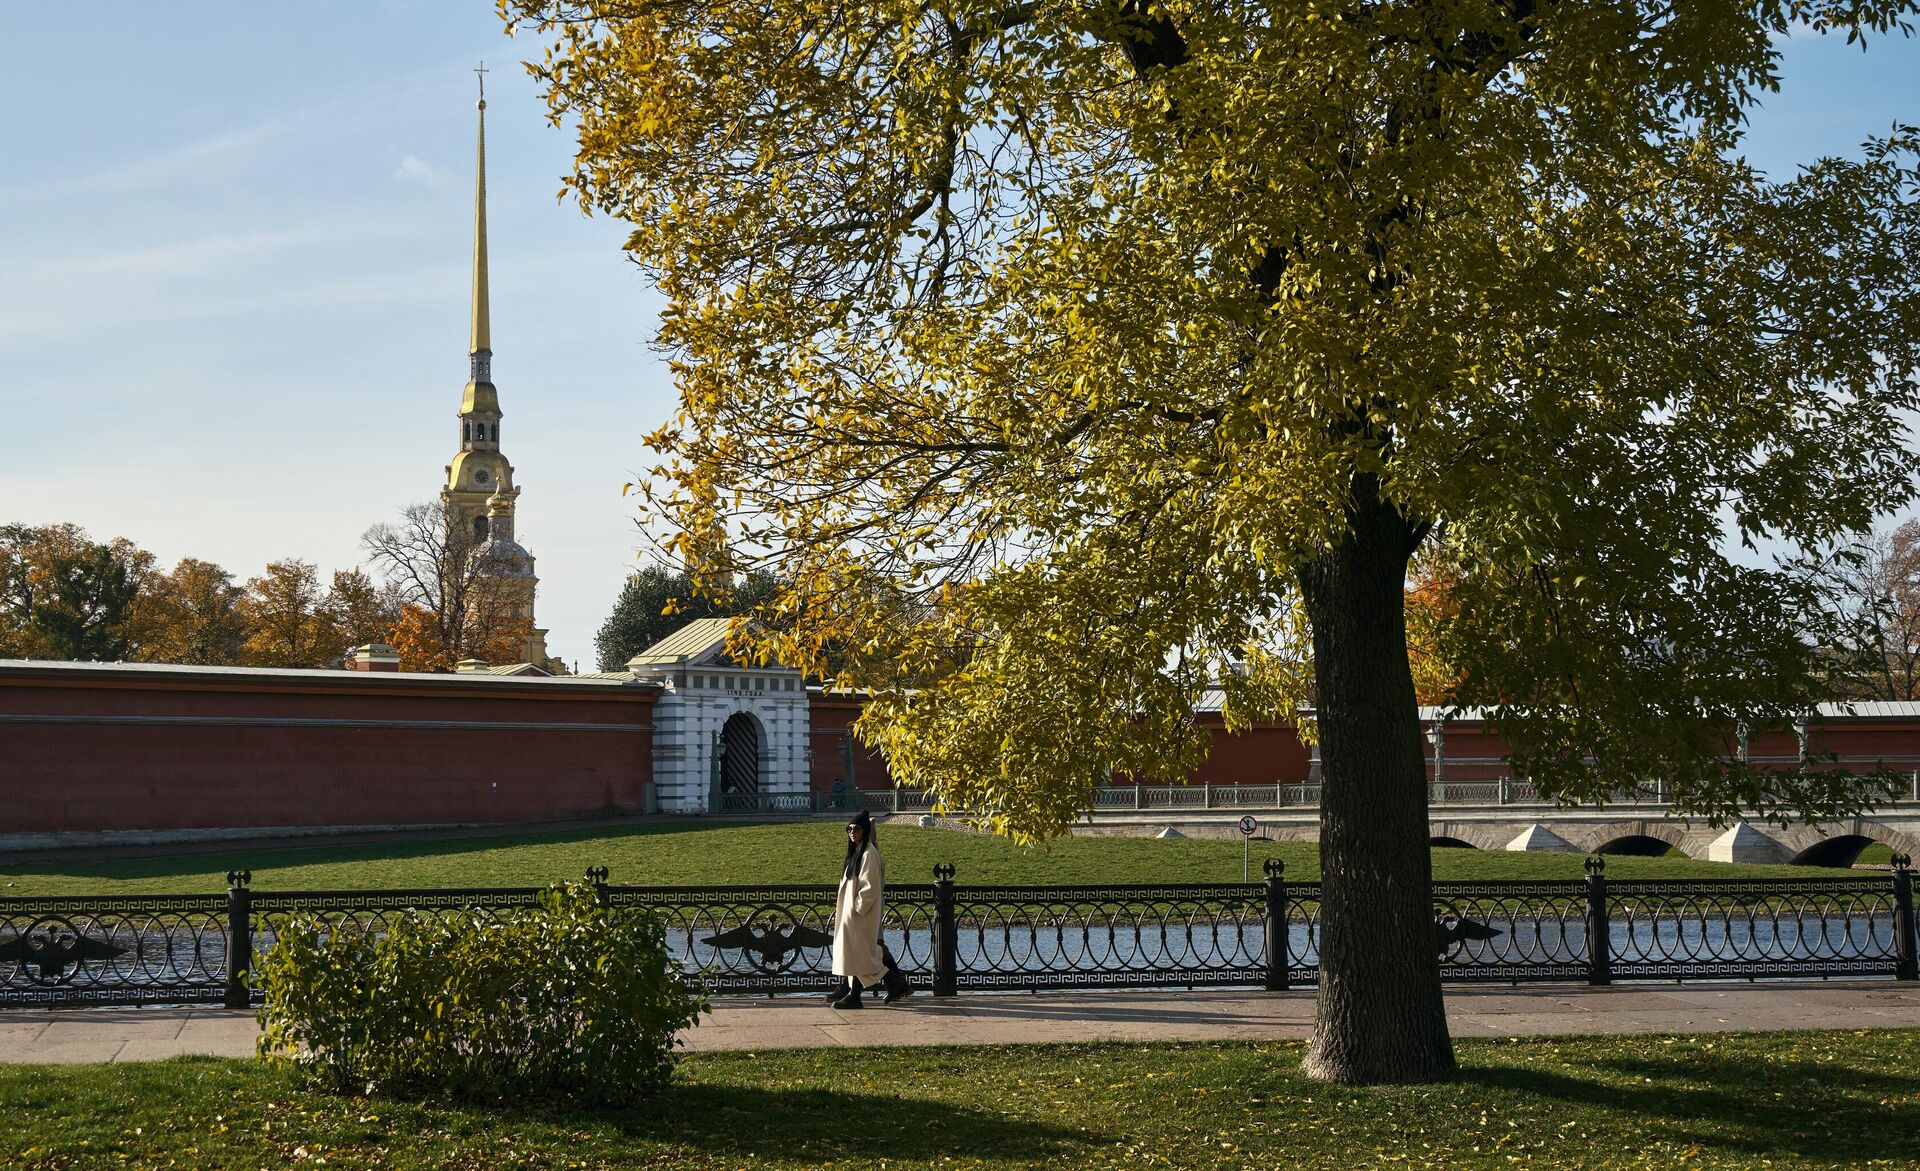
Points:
(1248, 825)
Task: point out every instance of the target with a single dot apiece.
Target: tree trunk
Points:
(1381, 1017)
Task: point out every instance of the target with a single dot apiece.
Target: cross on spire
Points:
(481, 73)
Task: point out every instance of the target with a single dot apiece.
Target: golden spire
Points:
(480, 347)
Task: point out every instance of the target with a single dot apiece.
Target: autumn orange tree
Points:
(288, 620)
(441, 574)
(1430, 614)
(193, 614)
(1065, 356)
(416, 636)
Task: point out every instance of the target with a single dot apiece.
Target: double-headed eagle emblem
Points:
(771, 949)
(1452, 930)
(52, 946)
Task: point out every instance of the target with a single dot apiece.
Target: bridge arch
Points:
(1838, 852)
(1840, 843)
(1637, 846)
(1469, 835)
(1637, 837)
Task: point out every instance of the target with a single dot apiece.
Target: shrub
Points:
(574, 998)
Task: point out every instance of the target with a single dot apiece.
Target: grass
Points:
(1875, 854)
(1788, 1100)
(696, 853)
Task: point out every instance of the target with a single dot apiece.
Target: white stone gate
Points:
(700, 690)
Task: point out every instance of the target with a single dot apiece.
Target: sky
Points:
(234, 259)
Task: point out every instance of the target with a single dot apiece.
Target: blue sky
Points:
(233, 279)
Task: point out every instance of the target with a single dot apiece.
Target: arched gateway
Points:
(726, 735)
(740, 755)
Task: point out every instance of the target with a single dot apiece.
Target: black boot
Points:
(839, 990)
(850, 998)
(896, 985)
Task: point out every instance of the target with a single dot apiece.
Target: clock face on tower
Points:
(481, 476)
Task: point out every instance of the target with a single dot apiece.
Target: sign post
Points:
(1247, 827)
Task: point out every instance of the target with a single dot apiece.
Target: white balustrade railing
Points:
(1448, 789)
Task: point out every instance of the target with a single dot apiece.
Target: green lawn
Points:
(694, 853)
(1725, 1101)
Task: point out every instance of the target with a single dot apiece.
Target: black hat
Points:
(863, 820)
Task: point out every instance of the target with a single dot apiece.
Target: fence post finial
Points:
(1599, 928)
(239, 938)
(946, 933)
(1279, 950)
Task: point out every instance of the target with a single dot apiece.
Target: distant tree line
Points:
(64, 595)
(1867, 611)
(1876, 593)
(437, 599)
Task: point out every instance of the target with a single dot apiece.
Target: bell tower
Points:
(479, 493)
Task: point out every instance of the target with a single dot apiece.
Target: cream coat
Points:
(856, 921)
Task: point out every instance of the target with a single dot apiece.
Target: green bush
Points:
(574, 998)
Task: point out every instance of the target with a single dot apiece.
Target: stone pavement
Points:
(77, 1036)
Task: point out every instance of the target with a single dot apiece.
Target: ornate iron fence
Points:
(112, 949)
(955, 938)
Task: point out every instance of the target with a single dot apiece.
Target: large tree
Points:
(193, 615)
(1067, 355)
(362, 610)
(289, 620)
(656, 601)
(456, 595)
(1875, 595)
(64, 595)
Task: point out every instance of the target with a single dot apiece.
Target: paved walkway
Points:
(84, 1036)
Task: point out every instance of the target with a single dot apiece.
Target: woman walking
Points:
(859, 956)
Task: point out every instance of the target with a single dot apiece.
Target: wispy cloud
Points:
(192, 280)
(414, 169)
(195, 163)
(187, 162)
(188, 257)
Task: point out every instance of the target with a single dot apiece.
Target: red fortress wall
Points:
(100, 747)
(112, 746)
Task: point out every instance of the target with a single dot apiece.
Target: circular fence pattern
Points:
(112, 950)
(771, 939)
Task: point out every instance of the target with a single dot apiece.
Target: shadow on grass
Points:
(855, 1126)
(727, 1122)
(800, 1123)
(208, 863)
(1754, 1104)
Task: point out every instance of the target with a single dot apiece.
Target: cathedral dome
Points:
(504, 557)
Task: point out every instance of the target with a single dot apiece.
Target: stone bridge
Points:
(1615, 829)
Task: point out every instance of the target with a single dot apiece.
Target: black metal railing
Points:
(114, 949)
(955, 938)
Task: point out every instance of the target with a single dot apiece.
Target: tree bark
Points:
(1381, 1018)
